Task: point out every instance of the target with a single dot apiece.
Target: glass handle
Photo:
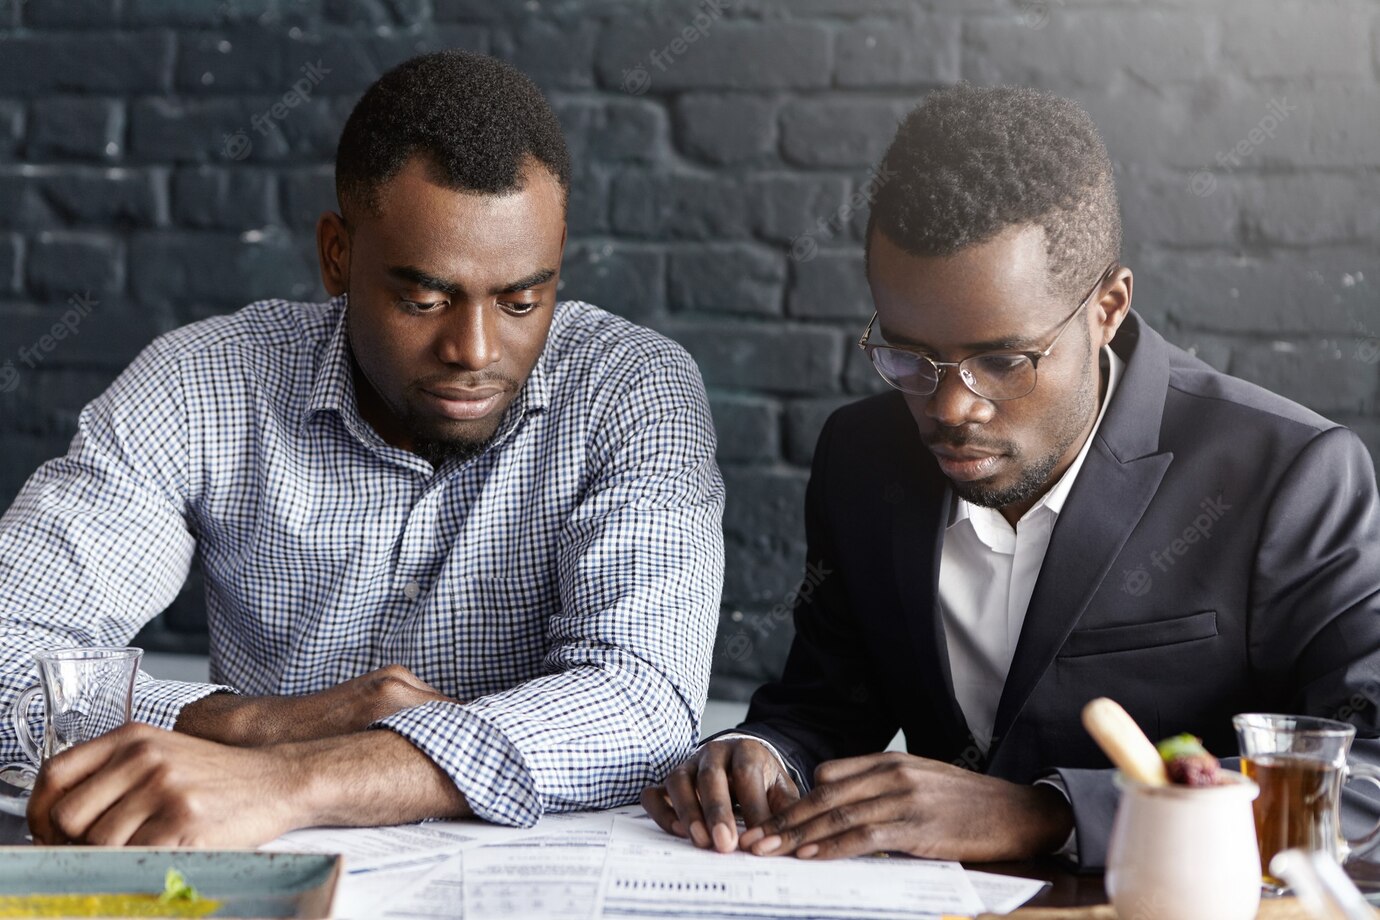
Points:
(1371, 775)
(19, 717)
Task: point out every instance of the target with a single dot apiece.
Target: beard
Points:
(1034, 476)
(437, 451)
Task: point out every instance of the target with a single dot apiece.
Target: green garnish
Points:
(1180, 746)
(176, 888)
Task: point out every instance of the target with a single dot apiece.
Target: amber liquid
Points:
(1297, 807)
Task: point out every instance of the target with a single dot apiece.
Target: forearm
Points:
(365, 779)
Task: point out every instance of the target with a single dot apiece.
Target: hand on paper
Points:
(902, 803)
(697, 799)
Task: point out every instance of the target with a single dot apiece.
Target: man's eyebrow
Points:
(1009, 343)
(424, 279)
(538, 277)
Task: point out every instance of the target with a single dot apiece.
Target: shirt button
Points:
(412, 590)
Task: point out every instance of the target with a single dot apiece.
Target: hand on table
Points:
(348, 707)
(141, 785)
(902, 803)
(697, 799)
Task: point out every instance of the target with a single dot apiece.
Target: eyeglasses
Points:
(994, 375)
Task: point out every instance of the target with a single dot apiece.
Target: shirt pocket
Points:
(1133, 637)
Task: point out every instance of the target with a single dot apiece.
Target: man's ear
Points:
(1114, 304)
(333, 252)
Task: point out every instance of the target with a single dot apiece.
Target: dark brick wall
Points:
(157, 165)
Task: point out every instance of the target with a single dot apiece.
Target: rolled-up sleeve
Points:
(628, 652)
(97, 543)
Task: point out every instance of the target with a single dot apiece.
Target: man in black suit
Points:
(1053, 504)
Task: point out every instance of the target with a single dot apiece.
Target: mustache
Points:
(474, 382)
(959, 439)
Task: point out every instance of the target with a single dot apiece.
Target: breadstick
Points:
(1123, 742)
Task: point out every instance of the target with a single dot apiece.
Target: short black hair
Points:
(971, 161)
(475, 118)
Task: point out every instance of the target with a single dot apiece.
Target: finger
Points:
(716, 801)
(752, 777)
(860, 841)
(657, 804)
(821, 800)
(83, 803)
(122, 821)
(59, 775)
(680, 786)
(833, 771)
(832, 823)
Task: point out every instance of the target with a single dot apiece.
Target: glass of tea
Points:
(1300, 764)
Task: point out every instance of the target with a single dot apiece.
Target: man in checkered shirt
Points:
(462, 542)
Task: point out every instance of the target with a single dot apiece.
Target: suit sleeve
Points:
(1314, 620)
(827, 703)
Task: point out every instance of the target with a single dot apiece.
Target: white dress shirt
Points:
(987, 572)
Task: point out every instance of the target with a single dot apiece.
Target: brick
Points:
(306, 193)
(11, 258)
(356, 61)
(1089, 48)
(726, 129)
(1326, 375)
(613, 131)
(1200, 209)
(660, 58)
(678, 206)
(784, 206)
(198, 130)
(556, 55)
(21, 204)
(106, 62)
(11, 127)
(1262, 294)
(587, 210)
(61, 265)
(95, 332)
(728, 279)
(109, 197)
(247, 59)
(764, 535)
(218, 268)
(211, 197)
(1310, 209)
(81, 14)
(770, 358)
(376, 13)
(838, 132)
(884, 53)
(749, 429)
(804, 420)
(69, 126)
(832, 285)
(1321, 38)
(219, 12)
(626, 280)
(750, 649)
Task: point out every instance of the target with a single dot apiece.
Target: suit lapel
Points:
(1119, 478)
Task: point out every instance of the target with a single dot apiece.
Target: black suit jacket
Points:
(1218, 553)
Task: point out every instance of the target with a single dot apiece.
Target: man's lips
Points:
(461, 403)
(967, 465)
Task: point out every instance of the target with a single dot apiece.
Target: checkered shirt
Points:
(564, 583)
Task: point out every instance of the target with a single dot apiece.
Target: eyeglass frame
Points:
(940, 366)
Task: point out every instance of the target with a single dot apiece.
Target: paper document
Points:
(1002, 894)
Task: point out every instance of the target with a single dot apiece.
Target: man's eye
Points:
(519, 308)
(422, 306)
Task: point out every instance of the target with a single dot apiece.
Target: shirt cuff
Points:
(480, 760)
(1070, 848)
(160, 702)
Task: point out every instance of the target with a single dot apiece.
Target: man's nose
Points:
(954, 405)
(470, 338)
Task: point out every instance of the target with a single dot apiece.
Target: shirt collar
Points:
(333, 388)
(1054, 498)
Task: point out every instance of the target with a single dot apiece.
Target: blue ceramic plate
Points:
(247, 883)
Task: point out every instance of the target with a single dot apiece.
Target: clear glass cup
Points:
(1300, 764)
(86, 692)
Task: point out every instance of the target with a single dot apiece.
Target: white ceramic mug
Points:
(1184, 853)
